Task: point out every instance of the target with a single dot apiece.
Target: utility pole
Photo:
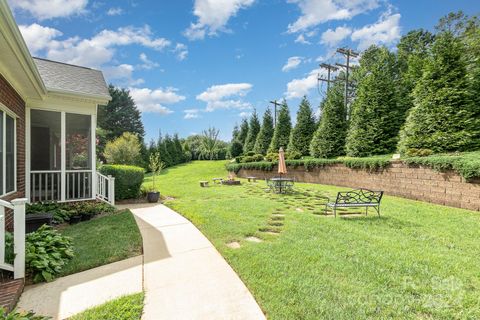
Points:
(348, 53)
(329, 68)
(275, 104)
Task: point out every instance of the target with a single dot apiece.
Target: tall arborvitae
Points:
(301, 135)
(235, 132)
(179, 154)
(242, 135)
(376, 118)
(329, 139)
(265, 135)
(412, 52)
(444, 117)
(253, 130)
(281, 134)
(164, 153)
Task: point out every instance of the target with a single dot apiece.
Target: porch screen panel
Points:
(1, 153)
(79, 178)
(45, 140)
(78, 142)
(10, 154)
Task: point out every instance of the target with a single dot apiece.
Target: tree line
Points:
(420, 99)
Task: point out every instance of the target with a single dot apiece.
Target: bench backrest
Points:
(359, 196)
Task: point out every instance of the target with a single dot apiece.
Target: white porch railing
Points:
(18, 266)
(45, 186)
(105, 188)
(78, 184)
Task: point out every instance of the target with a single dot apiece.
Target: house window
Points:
(7, 153)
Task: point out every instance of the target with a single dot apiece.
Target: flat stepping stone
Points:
(253, 239)
(269, 230)
(275, 224)
(299, 209)
(279, 215)
(278, 218)
(234, 245)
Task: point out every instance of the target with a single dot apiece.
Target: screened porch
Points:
(61, 156)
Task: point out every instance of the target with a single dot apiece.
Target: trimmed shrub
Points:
(128, 180)
(123, 150)
(293, 155)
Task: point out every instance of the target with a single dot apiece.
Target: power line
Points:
(348, 54)
(275, 104)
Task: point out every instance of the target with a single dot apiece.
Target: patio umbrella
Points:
(282, 167)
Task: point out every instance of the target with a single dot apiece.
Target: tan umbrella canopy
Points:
(282, 167)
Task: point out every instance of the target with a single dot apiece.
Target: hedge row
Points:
(465, 164)
(128, 179)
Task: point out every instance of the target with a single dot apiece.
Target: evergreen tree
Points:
(165, 155)
(120, 115)
(253, 129)
(444, 117)
(265, 135)
(376, 118)
(412, 52)
(236, 148)
(235, 132)
(329, 139)
(242, 135)
(179, 154)
(281, 134)
(301, 135)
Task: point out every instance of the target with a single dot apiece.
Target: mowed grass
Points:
(103, 240)
(124, 308)
(417, 261)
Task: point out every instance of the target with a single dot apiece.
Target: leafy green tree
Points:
(264, 137)
(193, 144)
(412, 52)
(301, 135)
(120, 115)
(376, 118)
(123, 150)
(210, 143)
(329, 139)
(444, 117)
(281, 134)
(242, 135)
(235, 133)
(253, 129)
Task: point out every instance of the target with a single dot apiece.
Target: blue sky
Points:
(194, 64)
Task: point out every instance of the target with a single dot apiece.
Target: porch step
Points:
(10, 292)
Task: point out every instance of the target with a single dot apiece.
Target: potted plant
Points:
(155, 166)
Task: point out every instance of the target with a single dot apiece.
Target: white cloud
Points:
(181, 50)
(93, 52)
(212, 16)
(292, 63)
(334, 37)
(385, 31)
(147, 63)
(191, 113)
(315, 12)
(123, 73)
(36, 36)
(301, 39)
(244, 114)
(48, 9)
(115, 11)
(149, 100)
(226, 96)
(297, 88)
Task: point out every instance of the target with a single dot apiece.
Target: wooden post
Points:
(19, 237)
(111, 190)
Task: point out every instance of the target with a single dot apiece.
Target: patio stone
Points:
(253, 239)
(233, 245)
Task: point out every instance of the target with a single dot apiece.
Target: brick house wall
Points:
(399, 179)
(12, 100)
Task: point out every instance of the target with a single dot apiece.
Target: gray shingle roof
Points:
(66, 77)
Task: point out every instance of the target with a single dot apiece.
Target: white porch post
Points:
(27, 154)
(94, 155)
(19, 237)
(63, 157)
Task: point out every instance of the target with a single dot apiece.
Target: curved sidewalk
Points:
(184, 275)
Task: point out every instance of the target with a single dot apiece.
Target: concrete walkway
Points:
(66, 296)
(184, 275)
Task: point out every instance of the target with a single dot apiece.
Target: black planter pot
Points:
(86, 217)
(36, 220)
(153, 197)
(75, 219)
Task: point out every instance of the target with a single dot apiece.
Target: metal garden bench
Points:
(355, 199)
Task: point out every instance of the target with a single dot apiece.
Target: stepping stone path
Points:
(253, 239)
(299, 209)
(233, 245)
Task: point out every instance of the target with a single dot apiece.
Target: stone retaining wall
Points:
(399, 179)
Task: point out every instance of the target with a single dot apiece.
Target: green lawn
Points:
(418, 260)
(125, 308)
(103, 240)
